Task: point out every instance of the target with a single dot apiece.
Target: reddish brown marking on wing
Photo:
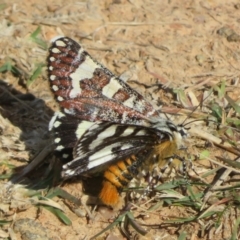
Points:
(109, 110)
(64, 60)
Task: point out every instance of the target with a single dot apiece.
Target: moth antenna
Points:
(195, 108)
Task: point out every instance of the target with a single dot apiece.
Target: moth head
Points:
(182, 131)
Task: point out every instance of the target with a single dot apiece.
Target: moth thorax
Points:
(178, 139)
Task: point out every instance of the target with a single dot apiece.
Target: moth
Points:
(104, 125)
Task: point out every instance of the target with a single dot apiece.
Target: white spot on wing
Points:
(60, 99)
(57, 140)
(59, 148)
(65, 155)
(52, 77)
(52, 59)
(111, 88)
(56, 116)
(57, 124)
(60, 43)
(55, 87)
(56, 50)
(141, 133)
(130, 102)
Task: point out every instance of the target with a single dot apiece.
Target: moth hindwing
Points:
(104, 124)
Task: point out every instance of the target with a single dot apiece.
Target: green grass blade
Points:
(183, 236)
(35, 74)
(235, 232)
(59, 214)
(40, 42)
(117, 221)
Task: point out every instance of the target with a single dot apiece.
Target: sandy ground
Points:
(187, 45)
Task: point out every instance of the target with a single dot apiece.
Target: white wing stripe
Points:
(103, 135)
(82, 128)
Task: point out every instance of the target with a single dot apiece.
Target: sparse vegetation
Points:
(179, 56)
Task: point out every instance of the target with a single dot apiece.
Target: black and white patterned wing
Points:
(87, 90)
(107, 142)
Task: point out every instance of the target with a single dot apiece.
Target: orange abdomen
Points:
(116, 177)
